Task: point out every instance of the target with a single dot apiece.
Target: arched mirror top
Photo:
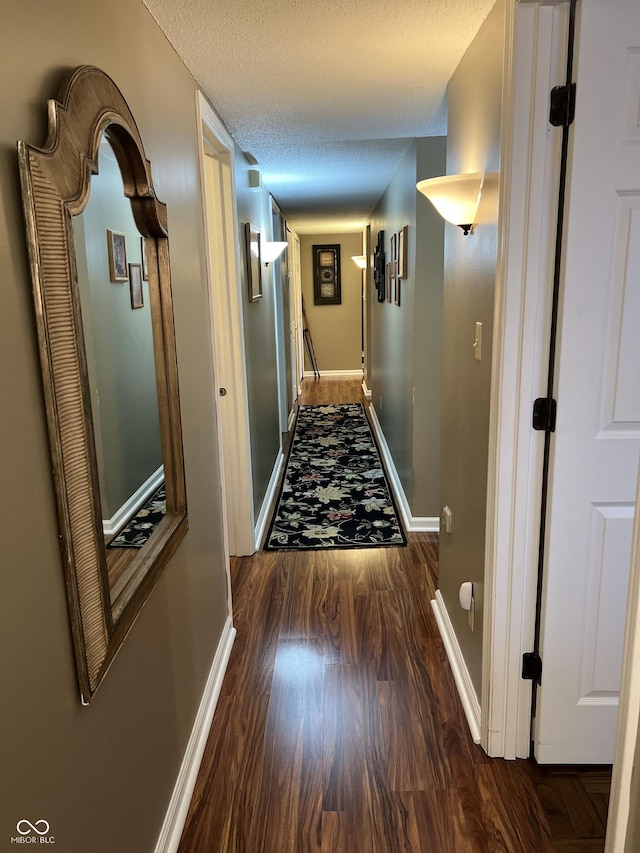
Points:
(65, 266)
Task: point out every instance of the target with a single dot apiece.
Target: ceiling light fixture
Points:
(457, 197)
(269, 251)
(359, 261)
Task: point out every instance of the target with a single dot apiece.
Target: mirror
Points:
(98, 246)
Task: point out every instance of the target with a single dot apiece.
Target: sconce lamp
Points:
(269, 251)
(456, 197)
(359, 261)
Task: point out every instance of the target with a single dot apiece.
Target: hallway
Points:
(339, 727)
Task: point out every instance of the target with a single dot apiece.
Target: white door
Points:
(596, 445)
(218, 190)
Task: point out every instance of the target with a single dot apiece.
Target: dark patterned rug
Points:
(139, 528)
(334, 492)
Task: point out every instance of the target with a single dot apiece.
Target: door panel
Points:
(597, 440)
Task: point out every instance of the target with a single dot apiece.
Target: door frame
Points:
(534, 63)
(225, 309)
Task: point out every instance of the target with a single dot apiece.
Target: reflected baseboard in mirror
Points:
(99, 398)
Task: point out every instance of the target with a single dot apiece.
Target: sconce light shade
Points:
(359, 261)
(270, 251)
(455, 197)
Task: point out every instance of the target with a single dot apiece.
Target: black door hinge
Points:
(562, 105)
(544, 414)
(532, 667)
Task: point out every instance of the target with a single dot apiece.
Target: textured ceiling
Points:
(328, 95)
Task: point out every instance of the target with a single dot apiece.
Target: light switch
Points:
(477, 345)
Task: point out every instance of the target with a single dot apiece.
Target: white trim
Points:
(628, 731)
(412, 524)
(176, 815)
(112, 525)
(365, 390)
(520, 346)
(263, 516)
(225, 307)
(461, 676)
(342, 374)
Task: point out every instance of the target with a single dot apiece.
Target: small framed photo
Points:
(117, 247)
(254, 262)
(389, 280)
(402, 252)
(143, 255)
(135, 285)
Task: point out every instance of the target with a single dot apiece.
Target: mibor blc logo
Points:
(33, 833)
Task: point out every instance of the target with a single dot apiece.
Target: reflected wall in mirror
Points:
(107, 350)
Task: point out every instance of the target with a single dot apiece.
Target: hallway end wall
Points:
(336, 330)
(473, 145)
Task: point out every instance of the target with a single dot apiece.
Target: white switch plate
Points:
(477, 346)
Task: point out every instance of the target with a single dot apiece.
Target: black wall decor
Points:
(379, 267)
(326, 275)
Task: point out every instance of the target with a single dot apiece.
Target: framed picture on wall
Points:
(326, 274)
(143, 255)
(402, 251)
(117, 249)
(254, 262)
(379, 267)
(135, 285)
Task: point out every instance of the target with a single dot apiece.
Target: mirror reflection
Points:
(119, 348)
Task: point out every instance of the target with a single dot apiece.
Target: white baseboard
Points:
(176, 815)
(365, 390)
(413, 524)
(458, 664)
(335, 374)
(261, 523)
(120, 517)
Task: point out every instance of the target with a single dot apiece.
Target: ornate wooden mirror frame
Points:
(56, 182)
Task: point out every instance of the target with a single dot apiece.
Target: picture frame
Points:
(135, 286)
(389, 280)
(403, 237)
(379, 273)
(396, 292)
(143, 256)
(254, 262)
(327, 289)
(117, 249)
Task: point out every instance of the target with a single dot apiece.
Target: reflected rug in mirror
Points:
(139, 528)
(334, 492)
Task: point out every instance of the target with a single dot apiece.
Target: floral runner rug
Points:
(334, 492)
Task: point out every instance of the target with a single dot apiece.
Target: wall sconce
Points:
(457, 197)
(269, 251)
(359, 261)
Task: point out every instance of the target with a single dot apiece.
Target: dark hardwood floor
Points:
(339, 727)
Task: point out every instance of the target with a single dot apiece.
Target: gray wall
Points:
(403, 347)
(118, 343)
(473, 145)
(101, 775)
(336, 329)
(259, 318)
